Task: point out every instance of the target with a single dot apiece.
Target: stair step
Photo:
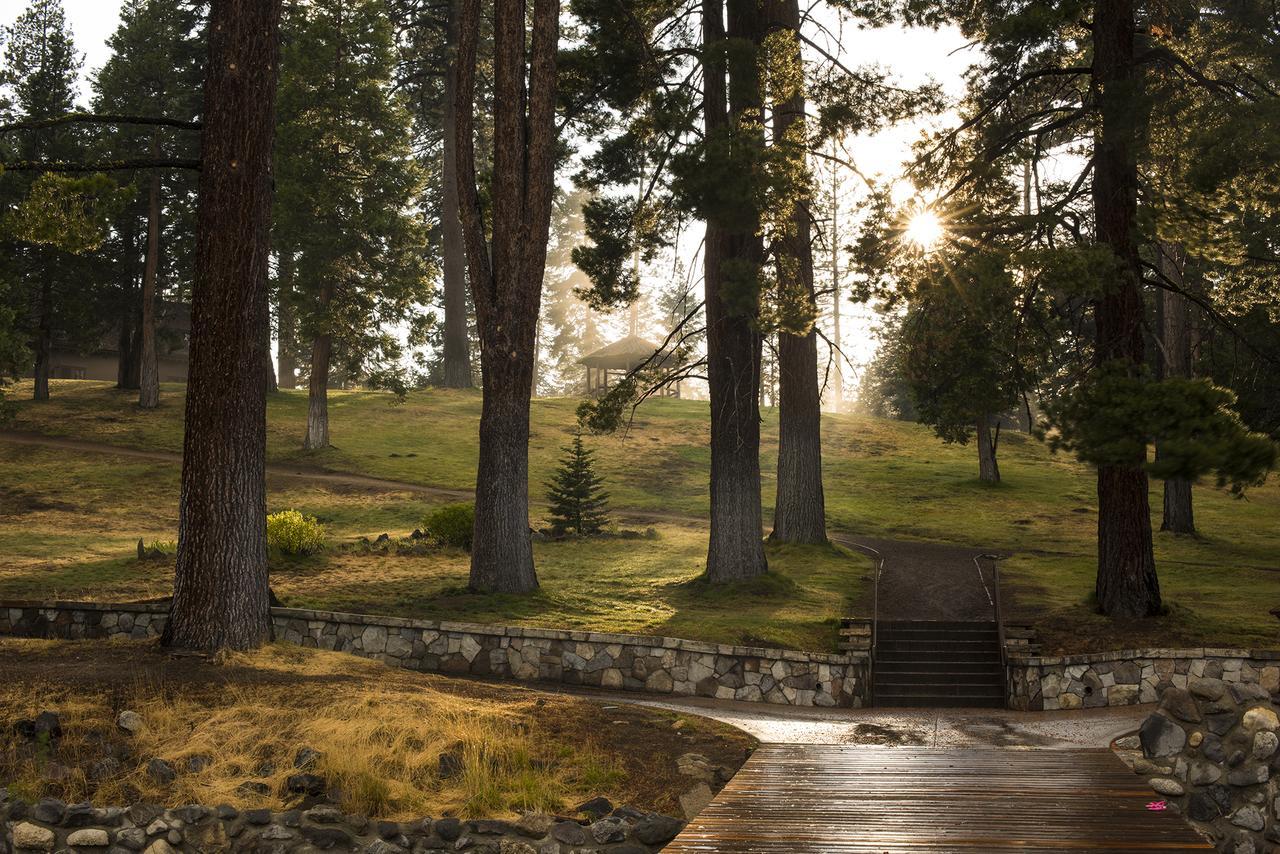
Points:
(959, 625)
(966, 675)
(938, 634)
(909, 702)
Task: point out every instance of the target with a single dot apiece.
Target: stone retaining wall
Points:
(620, 662)
(50, 826)
(1130, 677)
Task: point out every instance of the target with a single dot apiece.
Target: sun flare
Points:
(924, 229)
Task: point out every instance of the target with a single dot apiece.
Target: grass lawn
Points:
(883, 478)
(380, 733)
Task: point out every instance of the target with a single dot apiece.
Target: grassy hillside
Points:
(882, 478)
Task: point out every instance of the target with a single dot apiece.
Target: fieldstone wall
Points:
(1130, 677)
(51, 825)
(1212, 754)
(620, 662)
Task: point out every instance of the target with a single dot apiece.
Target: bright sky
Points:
(914, 55)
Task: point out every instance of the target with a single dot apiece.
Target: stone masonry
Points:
(1130, 677)
(619, 662)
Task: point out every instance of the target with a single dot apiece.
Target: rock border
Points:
(620, 662)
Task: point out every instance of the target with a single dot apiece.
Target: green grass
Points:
(883, 478)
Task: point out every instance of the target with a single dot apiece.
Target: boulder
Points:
(161, 772)
(130, 722)
(89, 837)
(596, 807)
(655, 829)
(33, 836)
(1161, 737)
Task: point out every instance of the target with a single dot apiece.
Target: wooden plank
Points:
(846, 799)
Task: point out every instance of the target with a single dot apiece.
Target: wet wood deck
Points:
(838, 799)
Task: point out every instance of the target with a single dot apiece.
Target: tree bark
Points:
(506, 276)
(799, 514)
(1127, 585)
(220, 595)
(1176, 361)
(43, 344)
(988, 466)
(128, 368)
(286, 324)
(318, 388)
(457, 345)
(736, 548)
(149, 384)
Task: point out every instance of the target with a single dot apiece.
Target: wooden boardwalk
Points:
(840, 799)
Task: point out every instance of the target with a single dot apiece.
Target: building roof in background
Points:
(624, 355)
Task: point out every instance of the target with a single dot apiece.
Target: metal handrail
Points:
(875, 624)
(994, 598)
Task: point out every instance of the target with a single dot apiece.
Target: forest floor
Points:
(232, 730)
(70, 520)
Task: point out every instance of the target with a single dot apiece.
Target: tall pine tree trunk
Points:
(506, 275)
(43, 344)
(736, 549)
(1127, 585)
(127, 367)
(318, 389)
(988, 466)
(269, 381)
(220, 595)
(457, 346)
(149, 384)
(799, 514)
(286, 323)
(1176, 361)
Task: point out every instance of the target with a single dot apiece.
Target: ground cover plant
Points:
(884, 478)
(233, 731)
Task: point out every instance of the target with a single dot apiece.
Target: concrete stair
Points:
(934, 663)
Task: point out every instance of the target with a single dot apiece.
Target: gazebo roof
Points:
(624, 354)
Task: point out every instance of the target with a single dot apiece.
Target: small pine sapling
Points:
(578, 503)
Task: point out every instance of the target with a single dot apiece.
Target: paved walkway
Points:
(841, 799)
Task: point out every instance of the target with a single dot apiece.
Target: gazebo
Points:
(620, 357)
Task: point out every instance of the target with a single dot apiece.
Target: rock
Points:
(569, 833)
(160, 846)
(657, 829)
(33, 836)
(305, 758)
(257, 816)
(1244, 692)
(157, 826)
(160, 771)
(696, 765)
(253, 787)
(197, 763)
(1201, 807)
(276, 832)
(381, 846)
(515, 846)
(448, 829)
(49, 811)
(144, 814)
(490, 827)
(1165, 786)
(1195, 738)
(1128, 742)
(1213, 749)
(1181, 705)
(1249, 775)
(1161, 737)
(1260, 718)
(226, 812)
(130, 722)
(1207, 688)
(48, 726)
(190, 814)
(324, 815)
(309, 784)
(695, 800)
(596, 807)
(1265, 743)
(133, 838)
(89, 837)
(534, 825)
(1248, 817)
(1220, 724)
(608, 830)
(1202, 774)
(325, 838)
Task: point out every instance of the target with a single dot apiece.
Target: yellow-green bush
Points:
(292, 533)
(451, 525)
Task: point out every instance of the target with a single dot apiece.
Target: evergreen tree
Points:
(578, 503)
(349, 246)
(155, 70)
(39, 75)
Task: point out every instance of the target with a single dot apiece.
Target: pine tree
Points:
(578, 504)
(349, 243)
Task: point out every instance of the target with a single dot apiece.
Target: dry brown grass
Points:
(380, 732)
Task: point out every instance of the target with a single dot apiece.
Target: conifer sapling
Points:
(578, 504)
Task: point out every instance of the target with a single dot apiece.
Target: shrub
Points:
(294, 534)
(451, 525)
